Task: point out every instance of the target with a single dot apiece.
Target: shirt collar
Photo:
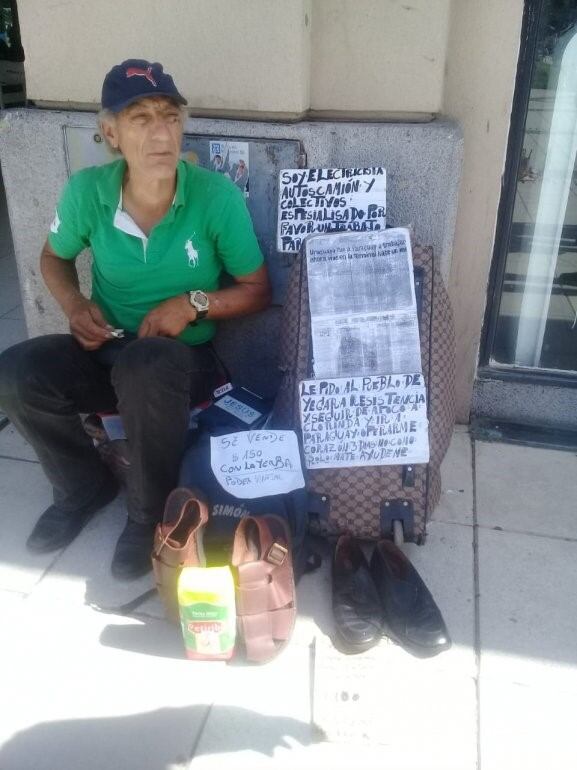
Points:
(119, 205)
(110, 185)
(181, 169)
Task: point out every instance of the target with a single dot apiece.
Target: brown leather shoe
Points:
(178, 544)
(265, 587)
(411, 617)
(356, 605)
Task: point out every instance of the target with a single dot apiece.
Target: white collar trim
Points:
(123, 221)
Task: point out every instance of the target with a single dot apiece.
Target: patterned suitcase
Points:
(367, 500)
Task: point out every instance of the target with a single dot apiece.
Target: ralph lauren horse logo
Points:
(191, 253)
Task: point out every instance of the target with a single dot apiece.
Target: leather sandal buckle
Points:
(277, 553)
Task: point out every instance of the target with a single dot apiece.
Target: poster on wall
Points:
(324, 200)
(231, 159)
(362, 304)
(352, 421)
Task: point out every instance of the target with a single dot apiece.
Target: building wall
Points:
(225, 55)
(249, 56)
(482, 55)
(379, 55)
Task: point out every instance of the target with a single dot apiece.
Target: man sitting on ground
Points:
(161, 233)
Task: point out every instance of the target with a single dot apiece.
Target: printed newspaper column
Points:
(362, 304)
(323, 200)
(364, 421)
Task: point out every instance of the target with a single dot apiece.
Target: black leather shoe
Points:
(133, 554)
(57, 528)
(356, 607)
(410, 616)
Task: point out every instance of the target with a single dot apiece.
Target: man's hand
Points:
(87, 324)
(168, 319)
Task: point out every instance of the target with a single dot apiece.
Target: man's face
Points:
(149, 135)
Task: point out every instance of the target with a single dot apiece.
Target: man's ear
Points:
(109, 131)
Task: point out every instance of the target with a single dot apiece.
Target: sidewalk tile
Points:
(445, 563)
(8, 269)
(10, 601)
(526, 727)
(11, 332)
(24, 494)
(456, 503)
(13, 445)
(81, 573)
(9, 285)
(526, 489)
(422, 715)
(13, 308)
(528, 613)
(378, 698)
(289, 754)
(99, 692)
(256, 708)
(16, 313)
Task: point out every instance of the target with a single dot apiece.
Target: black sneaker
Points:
(133, 554)
(57, 528)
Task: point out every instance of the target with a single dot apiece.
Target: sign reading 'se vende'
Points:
(324, 200)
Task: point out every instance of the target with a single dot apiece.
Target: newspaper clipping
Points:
(362, 303)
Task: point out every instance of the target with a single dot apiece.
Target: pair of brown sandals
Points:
(261, 564)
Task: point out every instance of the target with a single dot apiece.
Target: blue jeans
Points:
(46, 382)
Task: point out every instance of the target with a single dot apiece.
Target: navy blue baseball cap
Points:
(136, 79)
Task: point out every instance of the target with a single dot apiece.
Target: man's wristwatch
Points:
(200, 303)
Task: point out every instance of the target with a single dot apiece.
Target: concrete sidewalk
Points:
(87, 690)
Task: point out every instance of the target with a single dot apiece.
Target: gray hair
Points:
(107, 116)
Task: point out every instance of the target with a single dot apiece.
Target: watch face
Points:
(199, 300)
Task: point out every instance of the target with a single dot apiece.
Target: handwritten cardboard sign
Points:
(257, 463)
(323, 200)
(373, 420)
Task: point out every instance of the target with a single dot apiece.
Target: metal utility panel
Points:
(254, 164)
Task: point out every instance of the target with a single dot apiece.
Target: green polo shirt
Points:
(206, 231)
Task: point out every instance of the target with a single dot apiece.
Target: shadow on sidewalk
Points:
(151, 741)
(154, 637)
